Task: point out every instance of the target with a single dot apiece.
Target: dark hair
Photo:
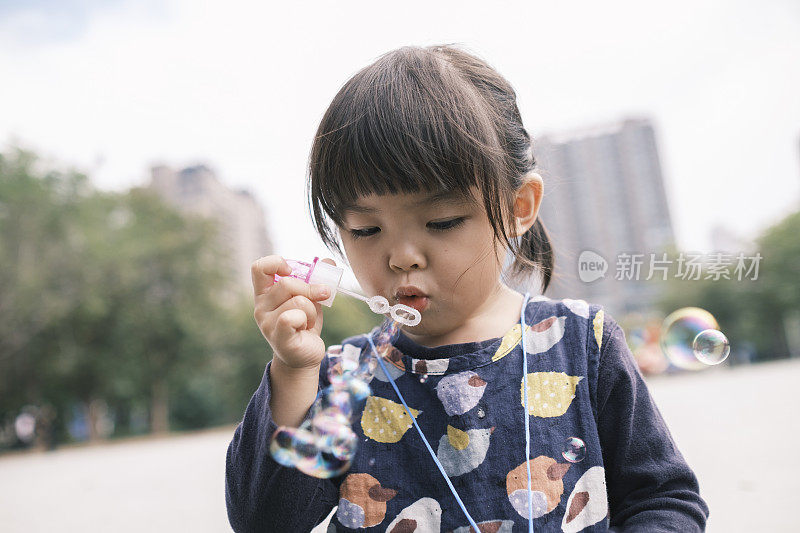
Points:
(420, 120)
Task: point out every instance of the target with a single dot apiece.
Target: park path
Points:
(737, 428)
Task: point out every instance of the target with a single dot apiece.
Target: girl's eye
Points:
(363, 232)
(446, 224)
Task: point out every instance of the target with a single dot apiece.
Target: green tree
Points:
(104, 296)
(776, 294)
(39, 277)
(755, 311)
(167, 268)
(117, 299)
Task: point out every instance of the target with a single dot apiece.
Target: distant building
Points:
(604, 192)
(242, 223)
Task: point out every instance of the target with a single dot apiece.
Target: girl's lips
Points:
(420, 303)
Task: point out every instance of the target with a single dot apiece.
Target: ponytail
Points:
(536, 250)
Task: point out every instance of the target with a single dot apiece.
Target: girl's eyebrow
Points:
(355, 209)
(431, 200)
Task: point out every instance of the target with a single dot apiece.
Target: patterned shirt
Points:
(600, 453)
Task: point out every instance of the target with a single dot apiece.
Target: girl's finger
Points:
(288, 324)
(287, 288)
(303, 304)
(318, 322)
(263, 271)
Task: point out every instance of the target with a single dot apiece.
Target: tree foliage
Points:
(105, 296)
(119, 299)
(752, 311)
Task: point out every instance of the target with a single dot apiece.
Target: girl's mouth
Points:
(412, 297)
(420, 303)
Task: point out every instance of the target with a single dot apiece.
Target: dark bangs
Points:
(408, 123)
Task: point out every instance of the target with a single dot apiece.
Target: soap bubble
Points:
(328, 466)
(333, 433)
(324, 465)
(324, 445)
(304, 444)
(327, 423)
(711, 346)
(344, 444)
(281, 447)
(365, 374)
(386, 333)
(574, 450)
(357, 387)
(336, 396)
(678, 333)
(339, 366)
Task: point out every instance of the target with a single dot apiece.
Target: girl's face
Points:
(437, 254)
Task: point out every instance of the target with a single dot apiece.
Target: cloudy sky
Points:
(114, 86)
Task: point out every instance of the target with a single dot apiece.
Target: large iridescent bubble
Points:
(325, 444)
(678, 333)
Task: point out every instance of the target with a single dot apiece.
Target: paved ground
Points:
(737, 428)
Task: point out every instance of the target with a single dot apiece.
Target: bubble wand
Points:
(319, 272)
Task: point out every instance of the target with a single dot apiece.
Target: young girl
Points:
(422, 173)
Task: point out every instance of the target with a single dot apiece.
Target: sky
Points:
(112, 87)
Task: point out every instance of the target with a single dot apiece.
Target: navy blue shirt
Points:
(601, 455)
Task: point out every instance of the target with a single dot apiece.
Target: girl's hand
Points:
(288, 313)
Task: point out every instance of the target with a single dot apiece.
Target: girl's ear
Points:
(526, 202)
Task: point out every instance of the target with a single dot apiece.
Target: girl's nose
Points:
(406, 257)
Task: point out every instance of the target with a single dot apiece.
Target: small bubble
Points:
(329, 423)
(711, 346)
(343, 446)
(281, 447)
(337, 397)
(305, 445)
(328, 465)
(423, 378)
(574, 450)
(357, 387)
(372, 461)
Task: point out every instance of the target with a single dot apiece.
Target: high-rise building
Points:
(242, 224)
(604, 192)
